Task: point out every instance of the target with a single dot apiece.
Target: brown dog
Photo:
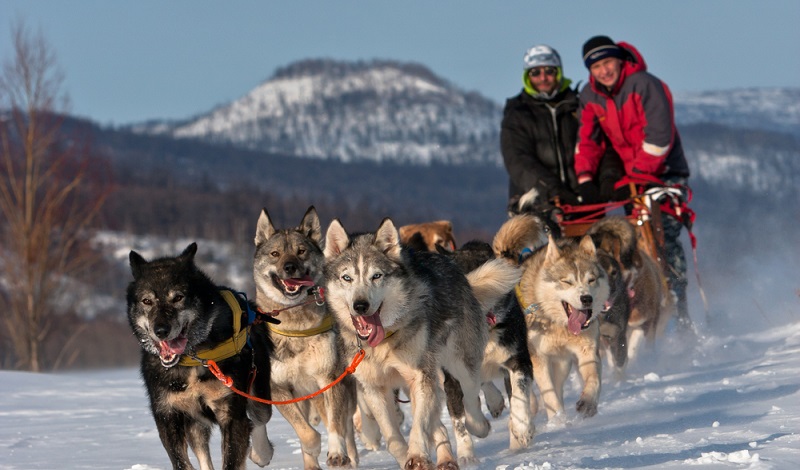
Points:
(428, 235)
(646, 284)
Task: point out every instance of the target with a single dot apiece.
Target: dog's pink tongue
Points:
(371, 327)
(302, 281)
(173, 347)
(576, 320)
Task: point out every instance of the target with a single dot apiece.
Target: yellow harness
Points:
(527, 310)
(228, 348)
(326, 325)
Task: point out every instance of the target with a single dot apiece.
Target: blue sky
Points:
(132, 61)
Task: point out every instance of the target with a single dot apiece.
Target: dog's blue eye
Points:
(377, 276)
(347, 278)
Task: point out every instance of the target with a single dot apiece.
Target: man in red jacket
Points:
(625, 106)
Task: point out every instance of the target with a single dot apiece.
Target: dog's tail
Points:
(492, 280)
(518, 233)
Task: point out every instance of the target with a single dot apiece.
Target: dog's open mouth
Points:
(577, 320)
(369, 328)
(170, 351)
(293, 286)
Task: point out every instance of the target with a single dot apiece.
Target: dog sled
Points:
(650, 201)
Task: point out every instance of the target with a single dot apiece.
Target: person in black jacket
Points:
(538, 136)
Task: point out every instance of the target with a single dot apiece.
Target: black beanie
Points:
(598, 48)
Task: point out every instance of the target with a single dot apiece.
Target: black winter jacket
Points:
(537, 140)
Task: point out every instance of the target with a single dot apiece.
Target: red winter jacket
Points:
(638, 119)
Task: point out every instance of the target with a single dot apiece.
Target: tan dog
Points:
(646, 283)
(430, 234)
(308, 350)
(562, 291)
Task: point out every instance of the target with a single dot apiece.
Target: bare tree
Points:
(46, 203)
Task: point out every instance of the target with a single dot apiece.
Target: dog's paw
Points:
(494, 399)
(478, 426)
(370, 443)
(556, 421)
(313, 417)
(419, 462)
(261, 459)
(338, 460)
(496, 411)
(586, 407)
(262, 450)
(463, 461)
(520, 434)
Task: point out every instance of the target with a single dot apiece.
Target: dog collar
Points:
(228, 348)
(530, 308)
(326, 325)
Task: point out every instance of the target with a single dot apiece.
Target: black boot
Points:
(684, 322)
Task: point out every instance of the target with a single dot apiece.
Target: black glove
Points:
(622, 194)
(589, 193)
(565, 196)
(607, 190)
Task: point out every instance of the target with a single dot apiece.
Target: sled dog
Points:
(415, 314)
(530, 203)
(615, 314)
(428, 235)
(506, 352)
(506, 355)
(308, 350)
(645, 282)
(179, 315)
(563, 288)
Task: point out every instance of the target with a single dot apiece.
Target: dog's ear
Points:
(336, 239)
(188, 254)
(387, 239)
(587, 245)
(552, 254)
(442, 250)
(309, 226)
(264, 228)
(136, 262)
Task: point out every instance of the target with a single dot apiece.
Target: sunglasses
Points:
(534, 72)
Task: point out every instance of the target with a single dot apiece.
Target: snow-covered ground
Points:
(728, 402)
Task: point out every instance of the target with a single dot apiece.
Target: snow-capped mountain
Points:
(773, 109)
(375, 111)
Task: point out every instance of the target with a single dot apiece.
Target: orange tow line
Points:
(228, 382)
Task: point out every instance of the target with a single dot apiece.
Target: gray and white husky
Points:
(415, 314)
(309, 353)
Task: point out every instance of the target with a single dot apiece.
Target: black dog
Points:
(181, 318)
(506, 353)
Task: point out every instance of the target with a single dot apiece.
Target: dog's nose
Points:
(586, 300)
(361, 306)
(290, 268)
(161, 329)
